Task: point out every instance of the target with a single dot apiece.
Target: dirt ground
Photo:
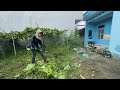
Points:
(108, 68)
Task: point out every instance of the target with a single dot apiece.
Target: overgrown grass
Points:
(12, 65)
(63, 62)
(58, 57)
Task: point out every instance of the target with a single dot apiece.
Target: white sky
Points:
(18, 20)
(84, 12)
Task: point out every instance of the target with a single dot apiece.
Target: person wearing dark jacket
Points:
(36, 39)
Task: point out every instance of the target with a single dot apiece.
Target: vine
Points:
(28, 33)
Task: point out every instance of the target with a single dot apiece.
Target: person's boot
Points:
(45, 61)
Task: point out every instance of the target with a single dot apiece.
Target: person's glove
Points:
(28, 49)
(43, 49)
(32, 48)
(36, 48)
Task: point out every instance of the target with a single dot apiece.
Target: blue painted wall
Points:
(115, 34)
(89, 26)
(107, 30)
(94, 27)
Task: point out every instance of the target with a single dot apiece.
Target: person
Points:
(36, 39)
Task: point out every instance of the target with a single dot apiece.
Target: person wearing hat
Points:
(36, 39)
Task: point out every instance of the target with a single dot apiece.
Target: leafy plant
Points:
(29, 32)
(29, 67)
(51, 70)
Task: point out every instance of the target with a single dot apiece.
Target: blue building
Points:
(103, 28)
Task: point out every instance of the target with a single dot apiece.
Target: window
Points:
(90, 34)
(101, 31)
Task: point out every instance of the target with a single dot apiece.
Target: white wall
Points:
(18, 20)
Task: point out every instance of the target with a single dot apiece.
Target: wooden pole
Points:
(14, 45)
(12, 40)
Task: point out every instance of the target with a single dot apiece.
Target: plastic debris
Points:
(86, 56)
(93, 75)
(79, 50)
(82, 77)
(75, 49)
(77, 65)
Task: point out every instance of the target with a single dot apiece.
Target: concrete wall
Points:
(107, 30)
(94, 27)
(89, 26)
(115, 34)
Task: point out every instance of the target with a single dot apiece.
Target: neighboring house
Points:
(80, 25)
(103, 28)
(80, 28)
